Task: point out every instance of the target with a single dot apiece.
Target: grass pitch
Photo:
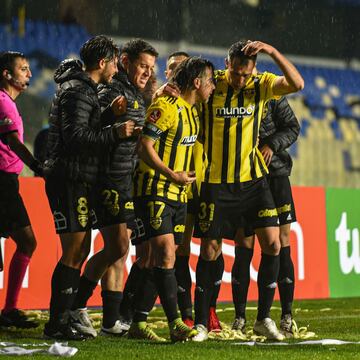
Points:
(329, 319)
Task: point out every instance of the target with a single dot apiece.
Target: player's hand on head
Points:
(125, 129)
(253, 47)
(118, 106)
(168, 89)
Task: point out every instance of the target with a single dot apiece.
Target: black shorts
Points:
(113, 201)
(161, 216)
(281, 191)
(224, 207)
(72, 205)
(13, 214)
(114, 205)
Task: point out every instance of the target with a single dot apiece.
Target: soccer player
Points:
(279, 129)
(15, 75)
(182, 271)
(76, 140)
(165, 148)
(114, 209)
(235, 185)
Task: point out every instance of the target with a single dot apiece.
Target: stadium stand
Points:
(328, 150)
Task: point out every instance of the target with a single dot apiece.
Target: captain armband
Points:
(152, 131)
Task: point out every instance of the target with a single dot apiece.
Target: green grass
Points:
(329, 319)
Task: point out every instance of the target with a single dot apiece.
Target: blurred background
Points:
(321, 37)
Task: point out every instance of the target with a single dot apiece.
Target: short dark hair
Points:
(178, 53)
(7, 61)
(134, 48)
(235, 51)
(97, 48)
(188, 70)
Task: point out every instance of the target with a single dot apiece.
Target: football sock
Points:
(267, 278)
(286, 280)
(86, 289)
(240, 279)
(133, 281)
(183, 277)
(203, 291)
(111, 303)
(145, 296)
(17, 270)
(217, 273)
(166, 285)
(64, 286)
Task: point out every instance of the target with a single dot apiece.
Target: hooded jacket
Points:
(279, 130)
(122, 158)
(76, 138)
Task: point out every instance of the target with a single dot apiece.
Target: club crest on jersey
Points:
(155, 222)
(155, 115)
(234, 111)
(188, 140)
(249, 93)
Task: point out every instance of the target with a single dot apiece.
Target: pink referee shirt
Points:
(10, 120)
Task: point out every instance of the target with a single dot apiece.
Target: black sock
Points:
(64, 286)
(133, 281)
(86, 289)
(286, 281)
(166, 285)
(183, 278)
(145, 296)
(240, 279)
(203, 291)
(217, 273)
(267, 278)
(111, 303)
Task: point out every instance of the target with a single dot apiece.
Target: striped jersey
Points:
(230, 128)
(174, 125)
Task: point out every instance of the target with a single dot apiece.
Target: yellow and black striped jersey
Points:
(174, 125)
(230, 128)
(198, 164)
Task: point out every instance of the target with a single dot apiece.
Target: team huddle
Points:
(204, 155)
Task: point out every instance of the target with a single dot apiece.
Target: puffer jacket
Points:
(122, 158)
(279, 129)
(75, 133)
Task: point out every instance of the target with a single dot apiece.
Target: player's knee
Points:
(183, 250)
(210, 249)
(166, 258)
(274, 247)
(284, 238)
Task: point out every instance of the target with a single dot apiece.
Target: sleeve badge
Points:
(155, 115)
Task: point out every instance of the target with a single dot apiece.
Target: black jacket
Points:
(121, 160)
(75, 134)
(279, 129)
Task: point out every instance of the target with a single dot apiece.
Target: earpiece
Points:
(8, 76)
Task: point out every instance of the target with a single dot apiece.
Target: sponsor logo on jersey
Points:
(188, 140)
(235, 111)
